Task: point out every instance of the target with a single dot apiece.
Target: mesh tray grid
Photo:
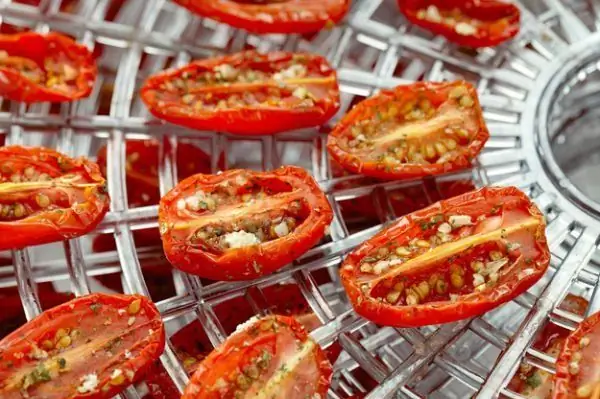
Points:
(374, 49)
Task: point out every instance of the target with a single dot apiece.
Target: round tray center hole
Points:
(574, 129)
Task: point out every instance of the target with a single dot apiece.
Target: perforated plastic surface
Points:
(375, 48)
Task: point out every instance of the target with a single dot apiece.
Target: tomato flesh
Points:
(242, 224)
(577, 371)
(481, 248)
(468, 23)
(49, 67)
(90, 347)
(412, 131)
(265, 358)
(533, 382)
(46, 196)
(272, 16)
(237, 93)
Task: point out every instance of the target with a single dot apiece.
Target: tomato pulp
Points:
(455, 259)
(44, 67)
(46, 196)
(411, 131)
(246, 93)
(242, 224)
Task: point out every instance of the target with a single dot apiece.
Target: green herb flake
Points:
(533, 380)
(95, 307)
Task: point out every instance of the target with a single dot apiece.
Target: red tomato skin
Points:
(563, 380)
(196, 388)
(47, 227)
(374, 169)
(37, 47)
(281, 18)
(241, 263)
(248, 121)
(442, 312)
(485, 10)
(140, 363)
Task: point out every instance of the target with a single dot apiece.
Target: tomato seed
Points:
(584, 391)
(42, 200)
(134, 307)
(457, 280)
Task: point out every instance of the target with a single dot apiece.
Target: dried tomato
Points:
(577, 364)
(533, 382)
(272, 16)
(411, 131)
(268, 357)
(44, 67)
(242, 224)
(469, 23)
(455, 259)
(46, 196)
(90, 347)
(246, 93)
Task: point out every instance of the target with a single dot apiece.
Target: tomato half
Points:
(91, 347)
(192, 344)
(411, 131)
(469, 23)
(577, 367)
(46, 196)
(265, 358)
(44, 67)
(242, 224)
(533, 382)
(247, 93)
(272, 16)
(455, 259)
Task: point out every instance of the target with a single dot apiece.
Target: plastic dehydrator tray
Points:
(539, 94)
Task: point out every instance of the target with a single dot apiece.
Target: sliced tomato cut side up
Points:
(577, 366)
(192, 344)
(247, 93)
(411, 131)
(241, 224)
(455, 259)
(532, 382)
(468, 23)
(46, 196)
(90, 347)
(272, 16)
(44, 67)
(265, 358)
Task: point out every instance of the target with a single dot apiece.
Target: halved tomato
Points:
(44, 67)
(469, 23)
(46, 196)
(242, 224)
(192, 344)
(272, 16)
(246, 93)
(455, 259)
(265, 358)
(577, 368)
(90, 347)
(411, 131)
(535, 383)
